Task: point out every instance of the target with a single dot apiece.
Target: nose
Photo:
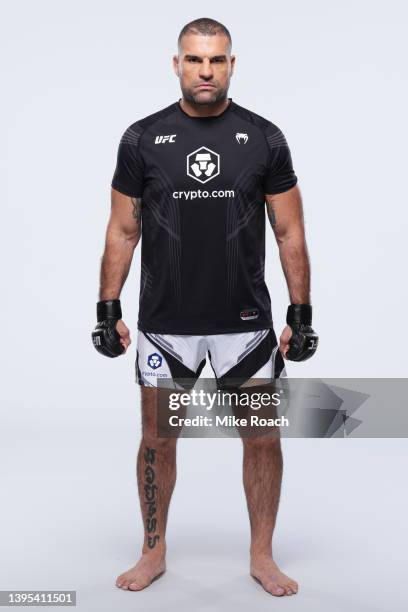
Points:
(206, 71)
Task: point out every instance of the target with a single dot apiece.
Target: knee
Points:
(151, 440)
(259, 443)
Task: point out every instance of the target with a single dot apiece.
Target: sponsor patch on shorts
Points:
(249, 314)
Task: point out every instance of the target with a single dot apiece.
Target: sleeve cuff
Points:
(118, 187)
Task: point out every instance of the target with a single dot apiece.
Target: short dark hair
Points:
(206, 27)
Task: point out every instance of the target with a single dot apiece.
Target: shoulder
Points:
(272, 133)
(133, 133)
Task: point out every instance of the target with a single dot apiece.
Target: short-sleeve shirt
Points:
(202, 183)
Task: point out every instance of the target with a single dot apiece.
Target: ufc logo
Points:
(169, 138)
(313, 344)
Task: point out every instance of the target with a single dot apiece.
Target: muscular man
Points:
(192, 179)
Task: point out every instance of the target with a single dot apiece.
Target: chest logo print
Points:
(203, 164)
(167, 138)
(241, 137)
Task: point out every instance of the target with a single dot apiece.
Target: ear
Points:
(232, 64)
(176, 65)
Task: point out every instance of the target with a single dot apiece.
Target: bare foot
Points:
(148, 568)
(265, 571)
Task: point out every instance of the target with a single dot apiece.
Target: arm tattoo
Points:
(271, 213)
(137, 208)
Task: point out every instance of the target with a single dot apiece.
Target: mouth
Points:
(205, 86)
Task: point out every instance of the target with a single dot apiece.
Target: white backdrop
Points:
(75, 75)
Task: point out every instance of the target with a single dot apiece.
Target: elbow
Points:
(119, 237)
(133, 239)
(294, 239)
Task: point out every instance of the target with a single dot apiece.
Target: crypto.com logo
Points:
(203, 165)
(154, 361)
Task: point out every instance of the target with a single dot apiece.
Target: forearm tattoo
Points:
(137, 208)
(150, 489)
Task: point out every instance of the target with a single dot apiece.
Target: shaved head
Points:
(205, 27)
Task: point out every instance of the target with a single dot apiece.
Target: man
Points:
(193, 179)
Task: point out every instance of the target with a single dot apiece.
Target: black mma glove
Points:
(304, 340)
(105, 337)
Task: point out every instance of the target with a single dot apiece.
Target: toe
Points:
(275, 589)
(136, 586)
(120, 581)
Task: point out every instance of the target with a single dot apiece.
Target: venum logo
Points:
(241, 137)
(154, 361)
(203, 165)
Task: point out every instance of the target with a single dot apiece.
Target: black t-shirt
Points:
(202, 182)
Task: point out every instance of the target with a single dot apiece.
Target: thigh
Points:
(156, 430)
(169, 361)
(238, 359)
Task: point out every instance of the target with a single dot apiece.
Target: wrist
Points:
(299, 314)
(108, 309)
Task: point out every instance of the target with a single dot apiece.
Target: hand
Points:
(124, 334)
(284, 340)
(299, 340)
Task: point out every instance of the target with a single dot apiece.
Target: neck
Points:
(204, 110)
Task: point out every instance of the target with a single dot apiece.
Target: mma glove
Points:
(105, 337)
(304, 340)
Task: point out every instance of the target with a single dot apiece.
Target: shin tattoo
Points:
(150, 490)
